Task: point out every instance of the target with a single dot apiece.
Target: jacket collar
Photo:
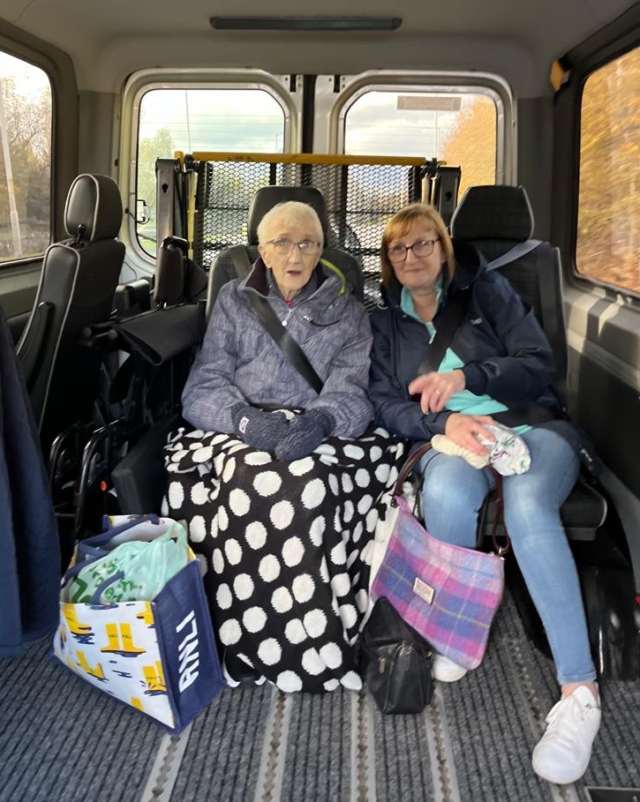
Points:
(326, 303)
(258, 278)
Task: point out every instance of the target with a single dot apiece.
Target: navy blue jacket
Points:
(29, 545)
(504, 350)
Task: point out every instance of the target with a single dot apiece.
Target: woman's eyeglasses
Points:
(307, 247)
(423, 247)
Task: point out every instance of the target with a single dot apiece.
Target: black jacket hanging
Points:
(29, 544)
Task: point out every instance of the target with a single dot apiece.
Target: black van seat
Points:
(582, 513)
(498, 220)
(231, 262)
(77, 286)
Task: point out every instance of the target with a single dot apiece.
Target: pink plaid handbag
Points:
(448, 594)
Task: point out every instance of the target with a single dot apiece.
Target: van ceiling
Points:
(515, 38)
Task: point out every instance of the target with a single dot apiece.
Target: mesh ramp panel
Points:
(360, 195)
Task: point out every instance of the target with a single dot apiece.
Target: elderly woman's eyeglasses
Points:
(307, 247)
(423, 247)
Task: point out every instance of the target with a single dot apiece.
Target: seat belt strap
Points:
(553, 322)
(447, 326)
(285, 341)
(289, 347)
(519, 250)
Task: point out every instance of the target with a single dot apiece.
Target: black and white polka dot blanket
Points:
(286, 549)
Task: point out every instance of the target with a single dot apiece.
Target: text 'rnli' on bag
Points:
(188, 654)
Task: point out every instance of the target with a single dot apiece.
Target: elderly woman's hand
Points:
(463, 430)
(259, 428)
(437, 388)
(306, 432)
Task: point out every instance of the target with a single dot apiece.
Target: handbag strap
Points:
(447, 327)
(499, 517)
(414, 457)
(412, 460)
(284, 341)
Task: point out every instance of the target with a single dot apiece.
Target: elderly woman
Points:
(497, 360)
(280, 498)
(240, 368)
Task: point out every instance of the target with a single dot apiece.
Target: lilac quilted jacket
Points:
(240, 363)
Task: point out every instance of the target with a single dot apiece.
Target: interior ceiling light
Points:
(305, 23)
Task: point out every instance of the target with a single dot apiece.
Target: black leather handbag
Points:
(396, 662)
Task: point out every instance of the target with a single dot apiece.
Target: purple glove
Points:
(305, 434)
(259, 428)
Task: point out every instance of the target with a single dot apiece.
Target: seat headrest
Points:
(268, 197)
(93, 202)
(493, 212)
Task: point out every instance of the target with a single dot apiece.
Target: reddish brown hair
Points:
(401, 224)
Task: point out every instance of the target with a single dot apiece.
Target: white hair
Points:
(289, 214)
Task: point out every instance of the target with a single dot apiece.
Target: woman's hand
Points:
(437, 388)
(463, 430)
(306, 432)
(258, 428)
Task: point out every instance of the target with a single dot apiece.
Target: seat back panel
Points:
(77, 287)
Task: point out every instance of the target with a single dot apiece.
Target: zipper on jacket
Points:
(319, 325)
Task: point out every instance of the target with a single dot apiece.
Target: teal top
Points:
(463, 401)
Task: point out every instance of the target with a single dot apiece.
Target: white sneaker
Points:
(446, 670)
(562, 754)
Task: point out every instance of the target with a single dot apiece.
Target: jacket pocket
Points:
(318, 324)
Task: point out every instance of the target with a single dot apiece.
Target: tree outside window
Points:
(608, 234)
(25, 159)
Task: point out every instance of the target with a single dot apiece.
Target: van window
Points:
(458, 128)
(25, 159)
(608, 234)
(190, 120)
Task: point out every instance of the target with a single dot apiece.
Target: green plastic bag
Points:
(133, 571)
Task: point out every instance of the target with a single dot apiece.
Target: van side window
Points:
(608, 232)
(25, 159)
(459, 128)
(192, 120)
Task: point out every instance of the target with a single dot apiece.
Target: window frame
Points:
(615, 290)
(144, 81)
(493, 86)
(606, 46)
(59, 70)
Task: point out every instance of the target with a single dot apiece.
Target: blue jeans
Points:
(452, 495)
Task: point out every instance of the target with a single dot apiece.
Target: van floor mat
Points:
(64, 741)
(473, 742)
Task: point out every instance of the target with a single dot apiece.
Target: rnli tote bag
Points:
(448, 594)
(157, 655)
